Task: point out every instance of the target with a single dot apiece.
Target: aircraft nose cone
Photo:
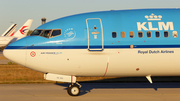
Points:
(15, 53)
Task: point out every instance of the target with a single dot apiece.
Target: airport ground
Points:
(92, 92)
(22, 84)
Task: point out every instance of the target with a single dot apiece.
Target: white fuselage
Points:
(5, 40)
(110, 62)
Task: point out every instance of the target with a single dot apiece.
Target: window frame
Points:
(150, 34)
(159, 34)
(113, 35)
(123, 33)
(56, 35)
(44, 31)
(167, 34)
(142, 34)
(173, 34)
(50, 35)
(37, 35)
(131, 32)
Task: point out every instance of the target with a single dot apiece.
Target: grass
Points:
(11, 63)
(18, 74)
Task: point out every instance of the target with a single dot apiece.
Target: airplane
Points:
(9, 36)
(118, 43)
(10, 31)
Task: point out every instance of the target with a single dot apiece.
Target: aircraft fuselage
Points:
(110, 43)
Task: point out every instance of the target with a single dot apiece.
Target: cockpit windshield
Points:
(36, 32)
(46, 33)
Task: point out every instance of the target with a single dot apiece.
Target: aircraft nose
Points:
(16, 52)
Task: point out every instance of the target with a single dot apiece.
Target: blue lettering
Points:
(153, 52)
(142, 52)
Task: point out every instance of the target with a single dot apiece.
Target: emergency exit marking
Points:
(33, 54)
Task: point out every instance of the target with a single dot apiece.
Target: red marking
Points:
(33, 54)
(71, 79)
(12, 34)
(21, 30)
(137, 69)
(106, 69)
(118, 41)
(118, 52)
(144, 41)
(95, 27)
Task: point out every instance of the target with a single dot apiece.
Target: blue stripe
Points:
(95, 47)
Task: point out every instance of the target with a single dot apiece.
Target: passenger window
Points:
(175, 34)
(149, 34)
(123, 34)
(114, 35)
(140, 34)
(36, 32)
(166, 34)
(157, 34)
(131, 34)
(56, 33)
(46, 33)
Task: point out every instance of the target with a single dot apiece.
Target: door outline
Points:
(101, 35)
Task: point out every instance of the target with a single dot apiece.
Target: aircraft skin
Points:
(10, 31)
(8, 37)
(91, 44)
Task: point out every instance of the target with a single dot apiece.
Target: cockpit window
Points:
(56, 33)
(46, 33)
(36, 32)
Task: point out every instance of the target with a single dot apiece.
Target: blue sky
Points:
(18, 11)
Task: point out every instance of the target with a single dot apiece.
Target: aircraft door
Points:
(95, 34)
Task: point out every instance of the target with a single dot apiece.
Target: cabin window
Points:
(157, 34)
(175, 34)
(140, 34)
(56, 33)
(114, 34)
(36, 32)
(131, 34)
(149, 34)
(123, 34)
(166, 34)
(46, 33)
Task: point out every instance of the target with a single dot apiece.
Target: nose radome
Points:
(16, 53)
(16, 56)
